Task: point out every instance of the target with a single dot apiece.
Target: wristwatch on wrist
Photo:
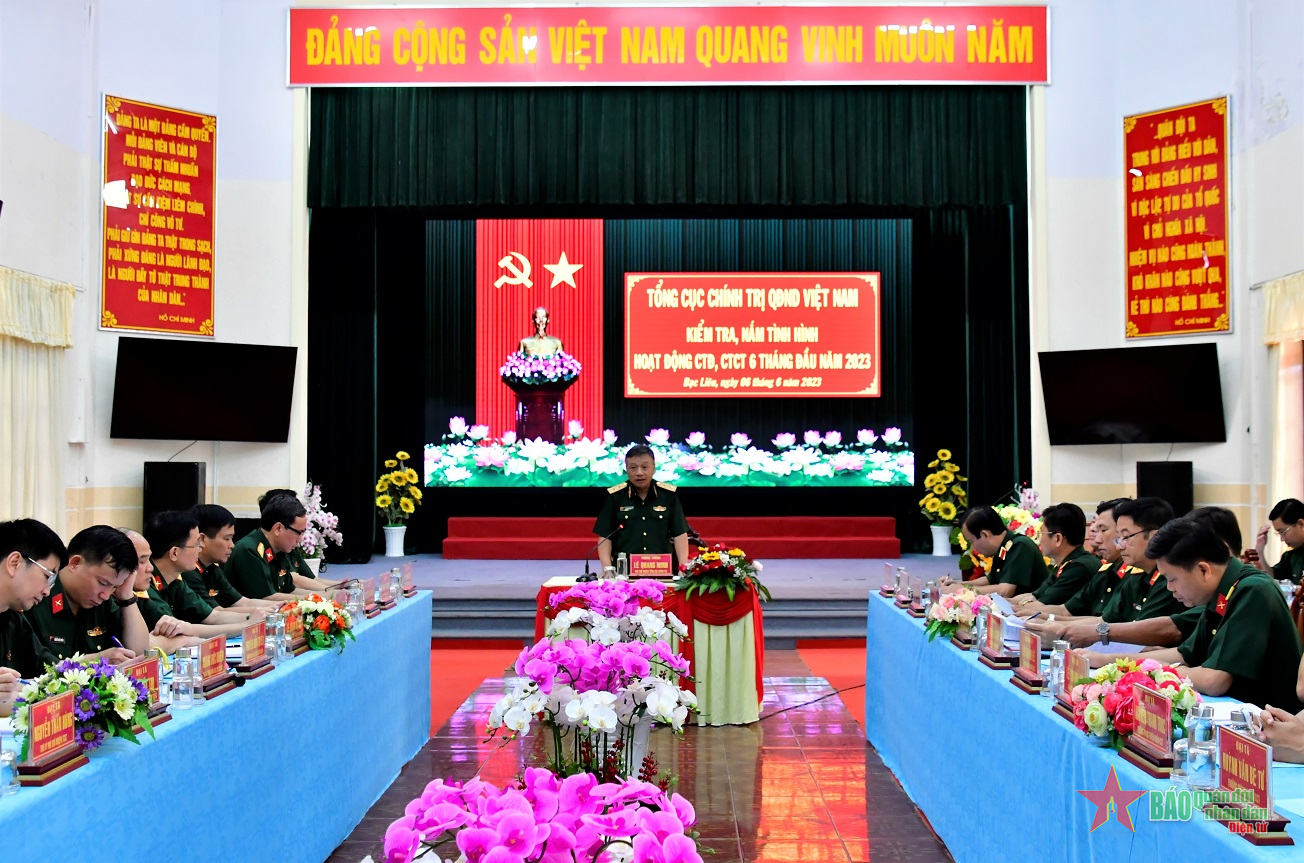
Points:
(123, 603)
(1102, 630)
(608, 569)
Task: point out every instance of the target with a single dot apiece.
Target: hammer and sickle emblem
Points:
(519, 275)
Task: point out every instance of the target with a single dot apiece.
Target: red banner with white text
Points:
(160, 186)
(752, 334)
(446, 46)
(1175, 213)
(523, 265)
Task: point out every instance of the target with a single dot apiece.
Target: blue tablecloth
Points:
(282, 768)
(997, 773)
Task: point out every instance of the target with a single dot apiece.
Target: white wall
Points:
(225, 57)
(1111, 58)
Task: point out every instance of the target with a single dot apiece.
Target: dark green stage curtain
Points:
(925, 184)
(872, 146)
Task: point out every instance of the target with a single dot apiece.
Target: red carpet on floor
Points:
(842, 667)
(773, 538)
(457, 671)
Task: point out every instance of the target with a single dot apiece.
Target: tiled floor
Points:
(800, 786)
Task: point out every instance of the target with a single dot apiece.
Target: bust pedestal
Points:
(539, 410)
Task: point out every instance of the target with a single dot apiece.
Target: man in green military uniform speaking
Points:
(1287, 521)
(1017, 564)
(1245, 645)
(641, 516)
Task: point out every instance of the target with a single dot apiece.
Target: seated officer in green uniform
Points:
(303, 576)
(1245, 645)
(141, 583)
(91, 608)
(32, 556)
(1091, 598)
(207, 580)
(1157, 630)
(645, 516)
(173, 608)
(259, 567)
(1063, 530)
(1287, 521)
(1017, 564)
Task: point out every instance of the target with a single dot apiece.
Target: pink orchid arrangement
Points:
(598, 699)
(545, 819)
(954, 610)
(323, 526)
(1104, 705)
(611, 598)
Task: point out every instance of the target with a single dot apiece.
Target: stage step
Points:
(572, 538)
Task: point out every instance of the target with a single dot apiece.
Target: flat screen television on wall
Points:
(1152, 394)
(164, 390)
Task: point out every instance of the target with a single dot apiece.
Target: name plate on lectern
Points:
(386, 601)
(651, 566)
(1076, 667)
(1028, 675)
(369, 607)
(409, 586)
(254, 661)
(149, 671)
(215, 677)
(916, 607)
(52, 749)
(298, 642)
(992, 653)
(1150, 745)
(1245, 768)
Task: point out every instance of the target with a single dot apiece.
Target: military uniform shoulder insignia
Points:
(261, 549)
(1009, 543)
(616, 488)
(1104, 565)
(667, 486)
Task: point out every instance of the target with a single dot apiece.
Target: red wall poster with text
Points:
(1175, 213)
(522, 265)
(160, 186)
(707, 44)
(752, 334)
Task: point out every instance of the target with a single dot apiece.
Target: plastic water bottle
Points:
(622, 567)
(8, 772)
(1055, 677)
(196, 677)
(979, 630)
(926, 600)
(183, 685)
(396, 584)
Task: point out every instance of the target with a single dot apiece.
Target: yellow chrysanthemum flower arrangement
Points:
(946, 495)
(397, 491)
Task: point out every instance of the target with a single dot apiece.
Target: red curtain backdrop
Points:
(504, 309)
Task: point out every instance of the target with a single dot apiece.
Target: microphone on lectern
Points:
(588, 576)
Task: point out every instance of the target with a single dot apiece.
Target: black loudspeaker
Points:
(172, 485)
(1170, 480)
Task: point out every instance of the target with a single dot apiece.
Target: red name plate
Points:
(369, 592)
(51, 727)
(294, 625)
(254, 643)
(212, 657)
(1029, 654)
(1076, 667)
(1154, 722)
(995, 633)
(146, 670)
(650, 565)
(408, 585)
(1245, 764)
(387, 588)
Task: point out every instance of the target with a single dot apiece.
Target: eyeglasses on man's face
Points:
(50, 575)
